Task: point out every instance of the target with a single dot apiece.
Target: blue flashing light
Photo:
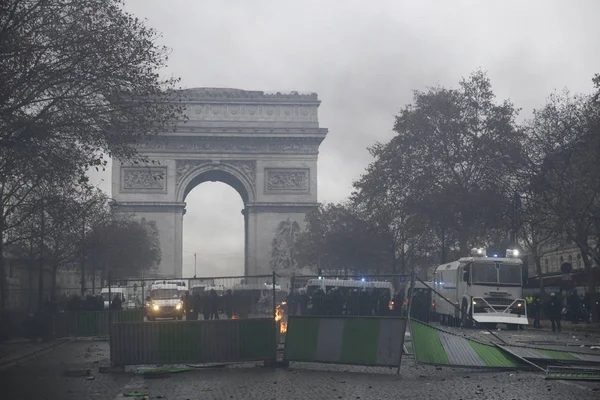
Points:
(362, 279)
(495, 255)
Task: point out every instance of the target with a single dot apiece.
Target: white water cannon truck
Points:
(486, 289)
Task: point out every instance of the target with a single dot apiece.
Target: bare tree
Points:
(565, 150)
(80, 80)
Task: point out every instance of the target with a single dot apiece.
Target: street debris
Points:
(74, 373)
(136, 394)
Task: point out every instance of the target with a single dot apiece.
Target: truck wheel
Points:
(512, 327)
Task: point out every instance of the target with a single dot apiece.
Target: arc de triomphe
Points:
(263, 145)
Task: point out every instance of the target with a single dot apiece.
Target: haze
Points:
(364, 59)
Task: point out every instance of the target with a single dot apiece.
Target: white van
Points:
(164, 302)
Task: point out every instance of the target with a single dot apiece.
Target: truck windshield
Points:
(163, 294)
(496, 273)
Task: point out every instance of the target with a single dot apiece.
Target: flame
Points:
(278, 313)
(234, 316)
(279, 318)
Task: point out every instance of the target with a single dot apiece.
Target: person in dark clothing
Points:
(206, 306)
(554, 310)
(318, 302)
(187, 303)
(366, 303)
(574, 303)
(194, 308)
(398, 299)
(214, 304)
(228, 304)
(536, 308)
(383, 305)
(116, 304)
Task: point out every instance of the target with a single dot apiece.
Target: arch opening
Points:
(216, 175)
(213, 230)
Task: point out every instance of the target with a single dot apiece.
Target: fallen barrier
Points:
(91, 323)
(190, 342)
(541, 355)
(438, 347)
(369, 341)
(572, 374)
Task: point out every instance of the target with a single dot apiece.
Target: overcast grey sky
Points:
(363, 58)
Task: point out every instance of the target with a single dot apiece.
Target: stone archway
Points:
(263, 145)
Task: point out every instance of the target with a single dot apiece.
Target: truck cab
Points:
(486, 289)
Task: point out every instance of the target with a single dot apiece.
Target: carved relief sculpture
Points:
(286, 180)
(247, 168)
(282, 247)
(184, 166)
(144, 178)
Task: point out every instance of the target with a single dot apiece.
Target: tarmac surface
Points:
(43, 377)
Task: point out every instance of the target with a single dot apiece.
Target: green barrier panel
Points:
(573, 374)
(435, 346)
(188, 342)
(372, 341)
(536, 354)
(91, 323)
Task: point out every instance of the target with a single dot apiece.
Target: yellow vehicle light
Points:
(178, 306)
(155, 307)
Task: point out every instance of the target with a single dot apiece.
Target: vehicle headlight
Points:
(155, 307)
(519, 304)
(178, 306)
(474, 302)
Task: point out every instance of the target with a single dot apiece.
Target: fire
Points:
(234, 316)
(279, 318)
(278, 313)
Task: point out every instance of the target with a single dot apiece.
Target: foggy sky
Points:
(364, 59)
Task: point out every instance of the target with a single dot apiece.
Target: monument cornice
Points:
(189, 130)
(238, 96)
(232, 145)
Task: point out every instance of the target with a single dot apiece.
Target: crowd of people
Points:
(343, 301)
(576, 309)
(210, 305)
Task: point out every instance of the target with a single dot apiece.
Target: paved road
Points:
(308, 382)
(42, 378)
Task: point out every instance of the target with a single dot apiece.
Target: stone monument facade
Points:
(264, 145)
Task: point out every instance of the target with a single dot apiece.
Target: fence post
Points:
(412, 293)
(274, 305)
(109, 300)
